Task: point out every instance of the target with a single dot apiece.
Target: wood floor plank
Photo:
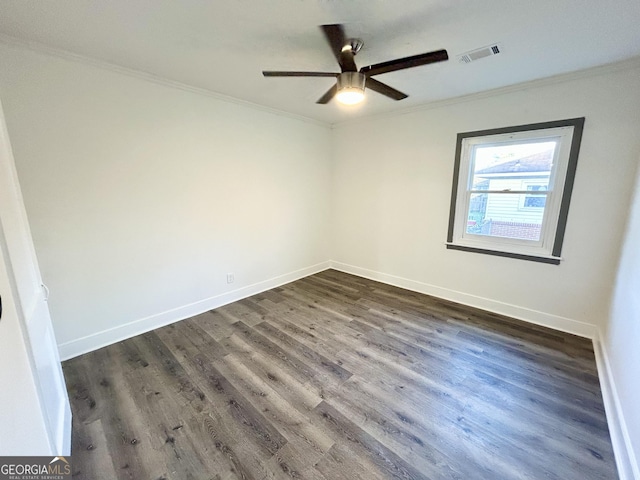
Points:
(381, 461)
(91, 457)
(123, 423)
(323, 364)
(339, 377)
(216, 325)
(306, 444)
(238, 431)
(300, 392)
(168, 430)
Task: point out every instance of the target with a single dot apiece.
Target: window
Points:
(511, 189)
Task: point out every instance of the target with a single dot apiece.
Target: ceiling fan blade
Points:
(270, 73)
(384, 89)
(337, 40)
(407, 62)
(329, 95)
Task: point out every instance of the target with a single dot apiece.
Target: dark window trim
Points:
(500, 253)
(578, 127)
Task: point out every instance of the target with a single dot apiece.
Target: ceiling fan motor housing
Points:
(351, 87)
(351, 80)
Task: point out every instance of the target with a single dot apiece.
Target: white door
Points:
(35, 418)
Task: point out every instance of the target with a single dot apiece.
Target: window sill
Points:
(500, 253)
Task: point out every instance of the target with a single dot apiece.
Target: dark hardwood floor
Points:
(338, 377)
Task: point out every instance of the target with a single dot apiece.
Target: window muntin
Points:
(511, 189)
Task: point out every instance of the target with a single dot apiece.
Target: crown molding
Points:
(629, 64)
(42, 48)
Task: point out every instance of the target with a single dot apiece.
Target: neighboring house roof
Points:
(538, 162)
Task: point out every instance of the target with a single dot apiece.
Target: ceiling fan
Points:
(351, 83)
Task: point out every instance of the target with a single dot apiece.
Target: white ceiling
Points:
(223, 45)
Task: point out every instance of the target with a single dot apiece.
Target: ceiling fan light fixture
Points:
(351, 87)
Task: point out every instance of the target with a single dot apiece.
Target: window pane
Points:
(507, 215)
(532, 201)
(535, 201)
(512, 166)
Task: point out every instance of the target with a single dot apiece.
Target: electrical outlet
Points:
(230, 278)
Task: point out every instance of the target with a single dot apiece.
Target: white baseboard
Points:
(628, 468)
(555, 322)
(101, 339)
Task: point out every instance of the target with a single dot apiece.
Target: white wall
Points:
(622, 338)
(142, 197)
(392, 190)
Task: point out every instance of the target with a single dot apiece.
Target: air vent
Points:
(479, 53)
